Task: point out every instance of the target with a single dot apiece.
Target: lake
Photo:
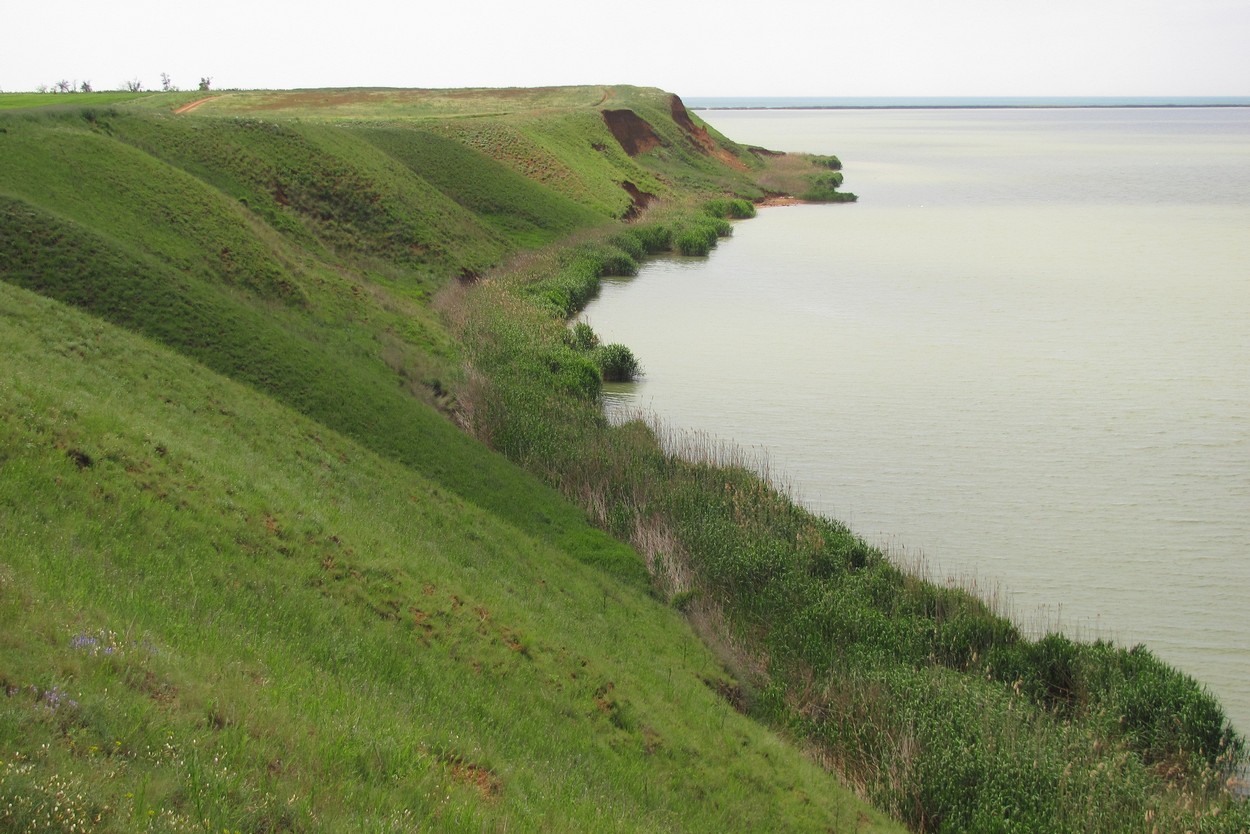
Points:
(1021, 360)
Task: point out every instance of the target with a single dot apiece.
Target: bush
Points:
(630, 244)
(823, 188)
(582, 337)
(725, 207)
(1164, 713)
(1055, 673)
(694, 241)
(617, 363)
(654, 237)
(831, 180)
(573, 373)
(699, 237)
(576, 280)
(969, 636)
(597, 260)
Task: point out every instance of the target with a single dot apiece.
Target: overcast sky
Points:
(731, 47)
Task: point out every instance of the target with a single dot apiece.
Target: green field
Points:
(312, 521)
(15, 101)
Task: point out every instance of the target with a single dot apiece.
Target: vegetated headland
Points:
(313, 521)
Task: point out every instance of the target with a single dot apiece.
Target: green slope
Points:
(256, 579)
(220, 614)
(526, 212)
(262, 570)
(339, 345)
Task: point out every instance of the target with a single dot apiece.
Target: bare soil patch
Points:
(633, 132)
(700, 136)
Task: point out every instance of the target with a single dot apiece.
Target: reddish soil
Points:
(633, 132)
(187, 108)
(779, 200)
(487, 783)
(313, 98)
(641, 199)
(699, 135)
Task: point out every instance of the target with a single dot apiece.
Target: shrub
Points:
(969, 636)
(617, 363)
(833, 179)
(699, 237)
(726, 207)
(823, 188)
(576, 280)
(1055, 670)
(582, 337)
(830, 162)
(630, 244)
(694, 241)
(1164, 713)
(598, 260)
(654, 237)
(615, 261)
(573, 373)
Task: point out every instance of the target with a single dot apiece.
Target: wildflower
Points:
(55, 698)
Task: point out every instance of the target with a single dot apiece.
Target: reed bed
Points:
(919, 690)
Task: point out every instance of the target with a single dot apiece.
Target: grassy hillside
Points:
(221, 614)
(298, 467)
(257, 579)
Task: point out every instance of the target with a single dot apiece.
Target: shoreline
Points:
(780, 200)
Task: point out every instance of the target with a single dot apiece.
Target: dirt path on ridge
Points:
(187, 108)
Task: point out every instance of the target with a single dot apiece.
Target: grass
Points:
(923, 697)
(526, 212)
(259, 579)
(23, 101)
(316, 523)
(324, 640)
(374, 104)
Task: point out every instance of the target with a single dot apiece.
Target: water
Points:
(859, 102)
(1024, 356)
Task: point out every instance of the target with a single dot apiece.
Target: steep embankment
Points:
(219, 612)
(255, 578)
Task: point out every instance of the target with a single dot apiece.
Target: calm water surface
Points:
(1024, 356)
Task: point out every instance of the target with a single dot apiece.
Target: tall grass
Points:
(256, 580)
(934, 704)
(219, 614)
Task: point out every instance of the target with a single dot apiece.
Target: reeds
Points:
(920, 687)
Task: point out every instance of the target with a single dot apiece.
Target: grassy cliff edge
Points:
(314, 522)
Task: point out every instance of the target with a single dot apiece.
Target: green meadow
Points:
(15, 101)
(312, 521)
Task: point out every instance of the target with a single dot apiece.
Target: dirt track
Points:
(187, 108)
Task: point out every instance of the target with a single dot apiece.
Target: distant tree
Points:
(62, 86)
(42, 88)
(85, 86)
(205, 82)
(167, 83)
(134, 85)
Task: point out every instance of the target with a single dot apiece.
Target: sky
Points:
(728, 48)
